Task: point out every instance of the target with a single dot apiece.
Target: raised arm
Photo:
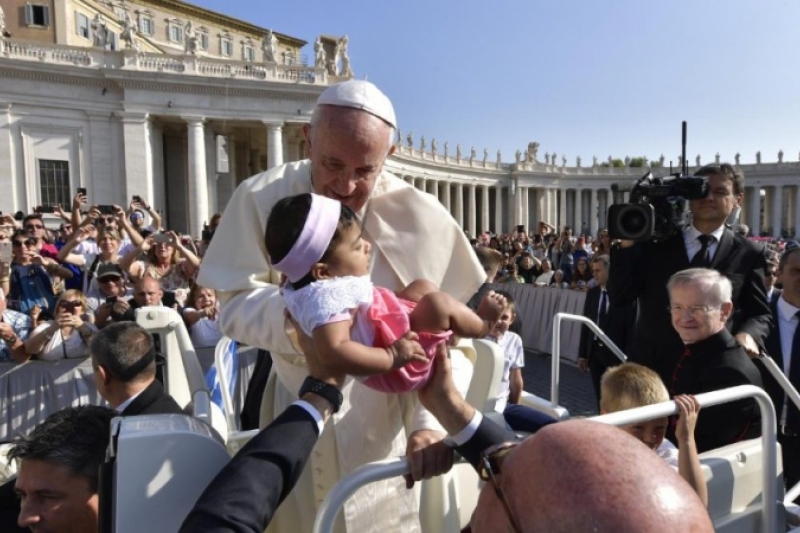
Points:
(125, 225)
(65, 254)
(129, 264)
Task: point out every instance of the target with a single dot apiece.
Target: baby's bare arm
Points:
(337, 350)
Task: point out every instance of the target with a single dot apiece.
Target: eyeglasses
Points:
(26, 242)
(106, 220)
(489, 470)
(34, 226)
(106, 279)
(695, 311)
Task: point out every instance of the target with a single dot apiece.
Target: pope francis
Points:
(348, 140)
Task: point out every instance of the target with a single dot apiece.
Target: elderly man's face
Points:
(55, 500)
(695, 316)
(347, 148)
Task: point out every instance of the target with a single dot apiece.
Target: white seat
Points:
(733, 477)
(183, 378)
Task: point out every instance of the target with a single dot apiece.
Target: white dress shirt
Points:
(693, 245)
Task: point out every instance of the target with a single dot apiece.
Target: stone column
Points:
(198, 180)
(594, 213)
(562, 212)
(138, 156)
(754, 210)
(777, 210)
(274, 144)
(446, 198)
(797, 212)
(485, 209)
(105, 179)
(498, 209)
(525, 207)
(211, 171)
(12, 185)
(578, 211)
(459, 211)
(472, 211)
(434, 188)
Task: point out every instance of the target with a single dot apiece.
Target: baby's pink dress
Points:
(380, 318)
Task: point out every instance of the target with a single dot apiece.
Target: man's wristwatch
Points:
(326, 390)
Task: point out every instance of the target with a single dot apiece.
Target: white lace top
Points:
(333, 300)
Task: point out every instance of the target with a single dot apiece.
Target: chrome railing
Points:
(369, 473)
(556, 351)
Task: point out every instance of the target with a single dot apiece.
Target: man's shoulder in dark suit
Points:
(153, 400)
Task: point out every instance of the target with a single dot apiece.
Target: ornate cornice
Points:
(186, 84)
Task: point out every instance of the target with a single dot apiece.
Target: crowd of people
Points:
(694, 312)
(545, 258)
(66, 275)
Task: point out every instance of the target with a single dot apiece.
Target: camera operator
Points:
(641, 271)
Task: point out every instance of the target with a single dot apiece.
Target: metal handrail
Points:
(794, 396)
(201, 400)
(369, 473)
(556, 350)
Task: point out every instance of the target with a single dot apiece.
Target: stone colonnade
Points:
(772, 209)
(499, 208)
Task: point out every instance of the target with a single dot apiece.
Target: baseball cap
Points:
(108, 270)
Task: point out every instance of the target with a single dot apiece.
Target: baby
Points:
(317, 244)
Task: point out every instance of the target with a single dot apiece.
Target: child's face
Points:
(651, 432)
(506, 319)
(351, 256)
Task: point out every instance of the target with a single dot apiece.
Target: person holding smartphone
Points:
(67, 336)
(166, 260)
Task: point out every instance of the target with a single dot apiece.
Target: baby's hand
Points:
(687, 417)
(405, 350)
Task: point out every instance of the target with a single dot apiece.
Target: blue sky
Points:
(585, 78)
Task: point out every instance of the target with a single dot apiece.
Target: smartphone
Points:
(162, 238)
(138, 199)
(82, 190)
(207, 234)
(5, 252)
(106, 209)
(111, 300)
(521, 228)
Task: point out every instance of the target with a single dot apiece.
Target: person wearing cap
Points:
(350, 135)
(112, 288)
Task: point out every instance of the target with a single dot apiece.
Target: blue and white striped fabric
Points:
(230, 371)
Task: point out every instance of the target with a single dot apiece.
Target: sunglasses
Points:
(34, 226)
(106, 220)
(106, 279)
(26, 242)
(770, 273)
(489, 470)
(69, 305)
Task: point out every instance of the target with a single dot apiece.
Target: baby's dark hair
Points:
(285, 223)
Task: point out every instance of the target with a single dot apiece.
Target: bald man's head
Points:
(147, 291)
(581, 475)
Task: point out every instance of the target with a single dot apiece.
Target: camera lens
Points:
(634, 221)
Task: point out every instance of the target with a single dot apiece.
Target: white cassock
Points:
(413, 237)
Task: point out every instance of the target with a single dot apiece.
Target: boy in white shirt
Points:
(630, 385)
(518, 417)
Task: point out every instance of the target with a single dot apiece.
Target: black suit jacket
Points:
(247, 491)
(153, 401)
(245, 494)
(642, 271)
(619, 324)
(773, 348)
(718, 362)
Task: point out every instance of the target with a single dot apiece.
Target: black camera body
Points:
(656, 209)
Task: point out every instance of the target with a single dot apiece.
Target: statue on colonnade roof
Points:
(99, 32)
(320, 55)
(270, 47)
(533, 151)
(189, 40)
(128, 35)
